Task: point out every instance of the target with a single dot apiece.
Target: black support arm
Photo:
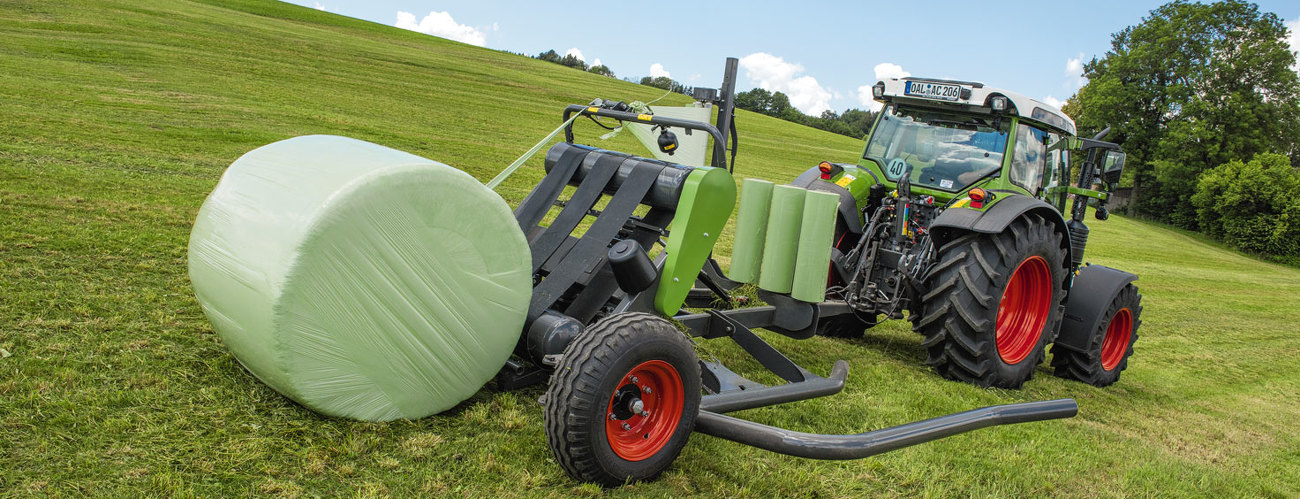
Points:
(868, 444)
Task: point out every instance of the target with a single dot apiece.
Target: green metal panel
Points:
(707, 199)
(751, 227)
(782, 239)
(857, 180)
(816, 234)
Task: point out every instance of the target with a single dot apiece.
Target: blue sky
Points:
(819, 53)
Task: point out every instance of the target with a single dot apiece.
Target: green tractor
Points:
(960, 213)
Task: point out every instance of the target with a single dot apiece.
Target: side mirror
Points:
(1112, 167)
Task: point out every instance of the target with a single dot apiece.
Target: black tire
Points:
(960, 308)
(595, 379)
(1104, 359)
(844, 326)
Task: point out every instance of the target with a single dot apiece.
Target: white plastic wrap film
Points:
(359, 280)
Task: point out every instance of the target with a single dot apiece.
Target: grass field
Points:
(117, 118)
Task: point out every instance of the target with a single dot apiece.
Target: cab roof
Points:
(972, 95)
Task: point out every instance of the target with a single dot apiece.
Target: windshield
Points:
(947, 151)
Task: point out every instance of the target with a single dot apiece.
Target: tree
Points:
(602, 70)
(1194, 86)
(756, 100)
(860, 120)
(549, 56)
(573, 61)
(761, 101)
(663, 82)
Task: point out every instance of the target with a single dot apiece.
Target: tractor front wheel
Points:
(623, 400)
(1109, 346)
(993, 303)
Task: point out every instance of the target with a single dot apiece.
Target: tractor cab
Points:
(951, 136)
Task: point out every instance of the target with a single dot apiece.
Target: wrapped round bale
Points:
(358, 280)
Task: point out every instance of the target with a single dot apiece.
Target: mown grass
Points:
(117, 118)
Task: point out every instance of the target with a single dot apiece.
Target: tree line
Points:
(1205, 99)
(573, 61)
(854, 123)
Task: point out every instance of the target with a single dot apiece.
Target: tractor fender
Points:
(848, 209)
(806, 178)
(1094, 288)
(953, 221)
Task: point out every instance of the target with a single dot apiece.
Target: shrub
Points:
(1254, 206)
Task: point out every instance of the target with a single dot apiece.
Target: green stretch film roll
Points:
(816, 236)
(751, 227)
(781, 242)
(358, 280)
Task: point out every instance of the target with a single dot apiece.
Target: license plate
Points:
(928, 90)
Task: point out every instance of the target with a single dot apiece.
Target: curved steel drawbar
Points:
(867, 444)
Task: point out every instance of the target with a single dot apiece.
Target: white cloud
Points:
(1074, 67)
(1056, 103)
(1074, 74)
(496, 27)
(883, 71)
(886, 70)
(773, 74)
(1294, 26)
(596, 63)
(440, 24)
(321, 7)
(576, 53)
(657, 70)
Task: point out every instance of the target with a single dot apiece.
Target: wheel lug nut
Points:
(626, 427)
(646, 389)
(634, 380)
(612, 416)
(645, 414)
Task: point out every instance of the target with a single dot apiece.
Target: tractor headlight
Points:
(878, 90)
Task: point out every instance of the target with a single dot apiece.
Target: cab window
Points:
(1029, 159)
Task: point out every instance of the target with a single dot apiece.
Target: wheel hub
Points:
(644, 410)
(1118, 334)
(1022, 312)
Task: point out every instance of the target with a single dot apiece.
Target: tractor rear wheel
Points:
(623, 400)
(993, 302)
(1110, 345)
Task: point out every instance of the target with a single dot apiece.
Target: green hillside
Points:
(117, 118)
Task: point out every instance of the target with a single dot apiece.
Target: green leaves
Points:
(1254, 206)
(1191, 87)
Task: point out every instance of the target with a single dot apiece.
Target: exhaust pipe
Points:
(840, 447)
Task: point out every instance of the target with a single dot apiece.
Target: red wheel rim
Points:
(658, 387)
(1117, 335)
(1024, 308)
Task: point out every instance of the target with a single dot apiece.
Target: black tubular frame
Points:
(719, 148)
(868, 444)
